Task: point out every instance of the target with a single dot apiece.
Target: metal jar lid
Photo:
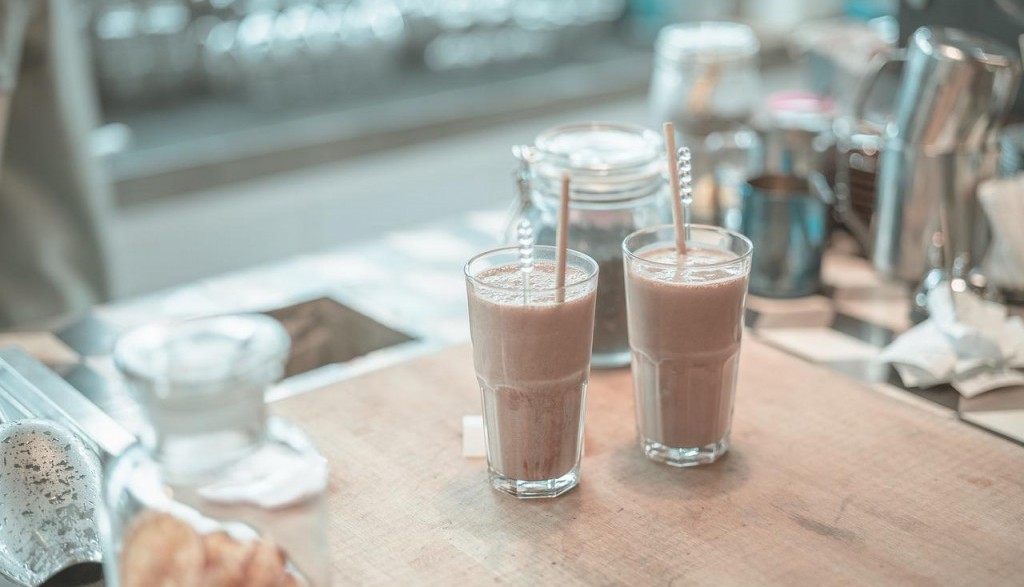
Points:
(607, 162)
(707, 42)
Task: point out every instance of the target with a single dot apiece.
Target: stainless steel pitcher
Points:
(784, 216)
(927, 214)
(940, 142)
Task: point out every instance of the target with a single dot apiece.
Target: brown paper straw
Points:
(562, 239)
(673, 176)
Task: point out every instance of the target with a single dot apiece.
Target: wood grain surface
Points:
(827, 482)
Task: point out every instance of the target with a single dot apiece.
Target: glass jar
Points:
(706, 76)
(706, 81)
(618, 186)
(215, 492)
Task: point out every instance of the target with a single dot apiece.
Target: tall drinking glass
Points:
(685, 320)
(531, 349)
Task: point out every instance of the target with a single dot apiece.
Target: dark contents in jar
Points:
(603, 244)
(610, 334)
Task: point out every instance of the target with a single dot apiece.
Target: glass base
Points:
(684, 457)
(611, 360)
(535, 489)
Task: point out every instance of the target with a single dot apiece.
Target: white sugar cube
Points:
(473, 443)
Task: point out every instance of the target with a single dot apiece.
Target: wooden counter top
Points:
(827, 482)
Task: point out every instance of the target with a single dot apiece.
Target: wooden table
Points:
(827, 482)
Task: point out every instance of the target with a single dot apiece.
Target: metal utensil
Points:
(957, 88)
(49, 490)
(955, 91)
(50, 476)
(28, 389)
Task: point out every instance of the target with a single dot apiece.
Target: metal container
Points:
(785, 218)
(49, 491)
(798, 137)
(956, 90)
(1001, 20)
(954, 93)
(927, 214)
(859, 139)
(857, 149)
(1011, 147)
(51, 438)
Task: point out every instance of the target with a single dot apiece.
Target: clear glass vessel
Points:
(215, 493)
(531, 350)
(685, 326)
(706, 81)
(618, 186)
(706, 77)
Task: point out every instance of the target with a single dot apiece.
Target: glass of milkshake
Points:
(531, 349)
(685, 318)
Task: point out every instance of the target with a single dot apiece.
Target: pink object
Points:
(800, 102)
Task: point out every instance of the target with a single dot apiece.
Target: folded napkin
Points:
(967, 342)
(1003, 202)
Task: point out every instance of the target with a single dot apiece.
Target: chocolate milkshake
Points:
(532, 358)
(685, 323)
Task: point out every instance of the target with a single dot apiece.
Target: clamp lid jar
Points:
(618, 185)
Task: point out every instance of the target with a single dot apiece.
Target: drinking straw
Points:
(524, 234)
(685, 168)
(562, 239)
(673, 175)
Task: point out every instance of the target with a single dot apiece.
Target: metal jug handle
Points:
(16, 16)
(866, 88)
(522, 187)
(839, 201)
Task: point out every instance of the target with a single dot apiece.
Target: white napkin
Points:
(967, 341)
(1003, 202)
(272, 478)
(473, 444)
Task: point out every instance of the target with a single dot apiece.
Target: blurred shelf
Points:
(203, 145)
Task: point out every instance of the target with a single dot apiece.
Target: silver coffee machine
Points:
(940, 142)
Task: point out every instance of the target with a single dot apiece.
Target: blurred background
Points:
(322, 102)
(228, 133)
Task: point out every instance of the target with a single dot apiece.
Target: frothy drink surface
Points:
(532, 361)
(684, 329)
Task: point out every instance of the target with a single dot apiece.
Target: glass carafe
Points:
(215, 492)
(618, 185)
(706, 81)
